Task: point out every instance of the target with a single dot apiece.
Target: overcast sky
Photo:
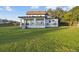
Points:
(12, 12)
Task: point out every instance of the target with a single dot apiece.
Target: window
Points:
(54, 23)
(49, 21)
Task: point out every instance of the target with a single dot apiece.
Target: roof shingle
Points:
(36, 13)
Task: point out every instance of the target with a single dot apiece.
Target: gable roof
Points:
(36, 13)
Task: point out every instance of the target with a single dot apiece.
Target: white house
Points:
(3, 21)
(37, 19)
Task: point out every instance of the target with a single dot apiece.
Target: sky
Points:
(12, 12)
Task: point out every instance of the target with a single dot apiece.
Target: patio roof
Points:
(38, 17)
(31, 17)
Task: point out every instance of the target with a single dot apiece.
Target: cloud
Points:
(70, 7)
(7, 8)
(34, 7)
(63, 7)
(50, 7)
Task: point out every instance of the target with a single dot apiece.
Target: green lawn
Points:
(46, 40)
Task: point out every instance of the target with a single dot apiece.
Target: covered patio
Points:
(32, 21)
(37, 19)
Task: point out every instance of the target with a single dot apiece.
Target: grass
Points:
(39, 40)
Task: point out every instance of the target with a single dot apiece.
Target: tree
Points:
(58, 12)
(69, 17)
(51, 12)
(72, 16)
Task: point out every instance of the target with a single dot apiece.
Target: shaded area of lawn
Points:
(48, 39)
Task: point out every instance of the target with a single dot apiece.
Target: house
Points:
(4, 21)
(37, 19)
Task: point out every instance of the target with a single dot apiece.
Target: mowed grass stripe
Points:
(48, 39)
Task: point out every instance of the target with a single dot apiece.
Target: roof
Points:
(36, 13)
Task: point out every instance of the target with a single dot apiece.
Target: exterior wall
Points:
(52, 23)
(3, 22)
(35, 24)
(40, 23)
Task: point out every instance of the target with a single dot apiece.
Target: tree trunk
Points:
(70, 23)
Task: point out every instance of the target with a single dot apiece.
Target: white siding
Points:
(36, 24)
(42, 23)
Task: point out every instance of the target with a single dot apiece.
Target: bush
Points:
(64, 24)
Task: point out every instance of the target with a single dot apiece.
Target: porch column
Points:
(24, 26)
(44, 22)
(20, 22)
(34, 22)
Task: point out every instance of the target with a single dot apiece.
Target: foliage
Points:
(75, 12)
(59, 12)
(72, 16)
(69, 17)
